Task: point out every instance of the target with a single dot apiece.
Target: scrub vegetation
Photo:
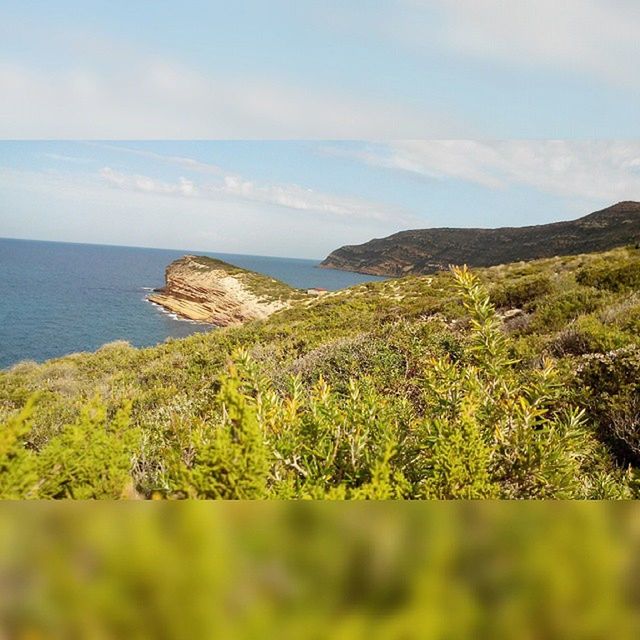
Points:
(515, 381)
(264, 287)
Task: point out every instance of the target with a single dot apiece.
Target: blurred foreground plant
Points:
(251, 570)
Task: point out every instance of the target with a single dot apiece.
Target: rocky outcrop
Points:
(212, 291)
(424, 251)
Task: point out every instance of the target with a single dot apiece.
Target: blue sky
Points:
(320, 123)
(332, 69)
(299, 198)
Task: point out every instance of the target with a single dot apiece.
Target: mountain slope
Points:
(423, 251)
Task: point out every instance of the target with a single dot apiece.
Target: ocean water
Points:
(59, 298)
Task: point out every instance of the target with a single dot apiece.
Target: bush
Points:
(18, 473)
(612, 277)
(230, 458)
(523, 292)
(517, 438)
(631, 320)
(482, 427)
(91, 458)
(558, 310)
(402, 389)
(588, 334)
(316, 443)
(608, 385)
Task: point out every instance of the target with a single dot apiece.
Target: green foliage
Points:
(521, 292)
(18, 474)
(588, 334)
(459, 452)
(91, 458)
(564, 306)
(498, 430)
(629, 317)
(613, 276)
(318, 443)
(609, 386)
(239, 571)
(229, 458)
(407, 388)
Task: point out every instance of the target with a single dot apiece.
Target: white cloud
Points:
(593, 170)
(598, 37)
(187, 163)
(288, 196)
(63, 158)
(146, 184)
(148, 98)
(89, 87)
(119, 208)
(295, 197)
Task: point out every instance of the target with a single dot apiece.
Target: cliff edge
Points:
(213, 291)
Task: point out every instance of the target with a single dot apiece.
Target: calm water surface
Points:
(58, 298)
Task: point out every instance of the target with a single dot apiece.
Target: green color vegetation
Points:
(516, 381)
(264, 287)
(236, 570)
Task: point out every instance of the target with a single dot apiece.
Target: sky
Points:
(335, 69)
(299, 198)
(291, 128)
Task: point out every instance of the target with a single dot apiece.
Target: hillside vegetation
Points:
(258, 284)
(516, 381)
(424, 251)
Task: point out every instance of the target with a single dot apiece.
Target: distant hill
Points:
(423, 251)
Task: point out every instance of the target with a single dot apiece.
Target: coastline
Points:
(89, 295)
(210, 291)
(176, 316)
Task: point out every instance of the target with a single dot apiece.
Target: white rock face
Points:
(208, 294)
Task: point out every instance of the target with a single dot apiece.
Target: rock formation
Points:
(212, 291)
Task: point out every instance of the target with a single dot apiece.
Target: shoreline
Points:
(176, 316)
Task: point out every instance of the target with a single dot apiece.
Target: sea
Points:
(58, 298)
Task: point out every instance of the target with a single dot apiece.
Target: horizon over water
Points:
(61, 297)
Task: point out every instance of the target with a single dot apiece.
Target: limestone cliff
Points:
(210, 290)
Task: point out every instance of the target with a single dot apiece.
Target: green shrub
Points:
(229, 456)
(559, 309)
(91, 458)
(459, 453)
(608, 385)
(588, 334)
(400, 389)
(614, 277)
(522, 292)
(505, 425)
(18, 472)
(631, 321)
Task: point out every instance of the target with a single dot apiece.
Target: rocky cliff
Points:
(428, 250)
(213, 291)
